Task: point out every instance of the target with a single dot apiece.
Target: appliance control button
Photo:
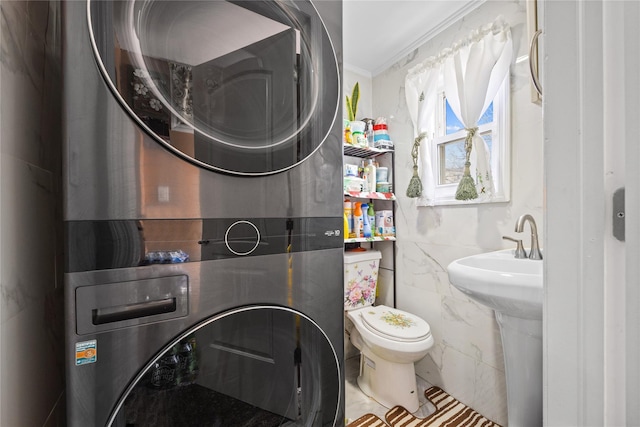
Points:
(242, 237)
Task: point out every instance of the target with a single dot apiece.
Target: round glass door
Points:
(263, 365)
(243, 87)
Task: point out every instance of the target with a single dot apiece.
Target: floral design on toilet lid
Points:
(400, 320)
(396, 324)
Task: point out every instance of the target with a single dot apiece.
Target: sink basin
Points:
(513, 289)
(502, 282)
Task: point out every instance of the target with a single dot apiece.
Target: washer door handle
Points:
(118, 313)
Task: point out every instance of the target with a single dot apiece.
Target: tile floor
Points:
(358, 404)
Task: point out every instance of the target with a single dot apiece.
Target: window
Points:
(447, 148)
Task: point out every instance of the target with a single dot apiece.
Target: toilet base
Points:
(389, 383)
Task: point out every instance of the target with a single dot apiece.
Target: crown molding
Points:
(454, 17)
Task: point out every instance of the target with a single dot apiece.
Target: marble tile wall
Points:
(466, 360)
(31, 286)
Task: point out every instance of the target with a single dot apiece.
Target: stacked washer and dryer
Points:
(203, 213)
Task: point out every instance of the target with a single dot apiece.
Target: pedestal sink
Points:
(513, 289)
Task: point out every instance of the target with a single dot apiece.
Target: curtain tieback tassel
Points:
(467, 187)
(415, 185)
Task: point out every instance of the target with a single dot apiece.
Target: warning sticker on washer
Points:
(86, 352)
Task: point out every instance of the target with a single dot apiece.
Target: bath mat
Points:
(367, 420)
(448, 412)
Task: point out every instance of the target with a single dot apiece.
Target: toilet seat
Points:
(394, 324)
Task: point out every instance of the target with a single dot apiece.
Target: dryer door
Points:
(259, 365)
(243, 87)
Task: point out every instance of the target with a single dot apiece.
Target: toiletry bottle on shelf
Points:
(370, 171)
(365, 177)
(345, 232)
(358, 225)
(372, 219)
(369, 133)
(348, 215)
(347, 133)
(366, 225)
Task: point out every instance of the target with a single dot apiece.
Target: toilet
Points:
(390, 340)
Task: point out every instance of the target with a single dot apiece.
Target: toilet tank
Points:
(360, 278)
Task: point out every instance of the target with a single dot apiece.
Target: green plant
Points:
(352, 103)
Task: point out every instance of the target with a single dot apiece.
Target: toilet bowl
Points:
(388, 353)
(390, 340)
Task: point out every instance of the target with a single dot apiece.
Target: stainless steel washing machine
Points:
(203, 189)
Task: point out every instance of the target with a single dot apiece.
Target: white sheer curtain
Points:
(420, 91)
(473, 73)
(472, 70)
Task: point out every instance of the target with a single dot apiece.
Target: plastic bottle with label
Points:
(372, 218)
(370, 171)
(345, 231)
(348, 215)
(366, 225)
(365, 177)
(369, 133)
(163, 372)
(187, 364)
(358, 224)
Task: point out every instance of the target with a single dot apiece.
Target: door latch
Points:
(618, 214)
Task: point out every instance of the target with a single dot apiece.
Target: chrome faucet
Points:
(519, 252)
(535, 246)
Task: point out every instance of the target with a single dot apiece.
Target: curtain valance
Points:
(471, 72)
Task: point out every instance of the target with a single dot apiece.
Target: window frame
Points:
(500, 149)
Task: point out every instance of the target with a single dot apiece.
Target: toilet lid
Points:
(395, 324)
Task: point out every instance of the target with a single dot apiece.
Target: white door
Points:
(591, 89)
